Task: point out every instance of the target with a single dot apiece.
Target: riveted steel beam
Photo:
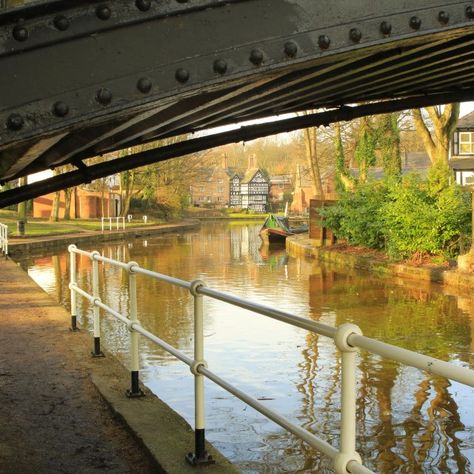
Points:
(100, 170)
(108, 74)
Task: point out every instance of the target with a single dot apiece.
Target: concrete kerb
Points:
(301, 245)
(163, 433)
(20, 246)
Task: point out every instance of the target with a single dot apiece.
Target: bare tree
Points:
(435, 130)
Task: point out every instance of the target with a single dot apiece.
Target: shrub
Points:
(356, 218)
(407, 217)
(425, 217)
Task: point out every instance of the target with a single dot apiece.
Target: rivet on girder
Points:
(355, 35)
(256, 57)
(182, 75)
(103, 12)
(60, 109)
(15, 122)
(143, 5)
(470, 12)
(443, 17)
(144, 85)
(415, 22)
(385, 28)
(20, 33)
(104, 96)
(324, 42)
(61, 23)
(220, 66)
(291, 49)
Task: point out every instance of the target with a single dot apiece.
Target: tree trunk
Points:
(310, 139)
(436, 138)
(21, 210)
(67, 203)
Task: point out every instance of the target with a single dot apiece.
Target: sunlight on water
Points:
(408, 421)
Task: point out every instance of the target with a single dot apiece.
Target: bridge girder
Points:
(83, 78)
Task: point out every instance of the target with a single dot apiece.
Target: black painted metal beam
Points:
(186, 147)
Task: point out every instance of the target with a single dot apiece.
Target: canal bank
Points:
(53, 418)
(450, 276)
(19, 246)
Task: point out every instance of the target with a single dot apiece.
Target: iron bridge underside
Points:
(84, 78)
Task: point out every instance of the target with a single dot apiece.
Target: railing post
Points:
(73, 281)
(347, 450)
(134, 391)
(95, 293)
(200, 456)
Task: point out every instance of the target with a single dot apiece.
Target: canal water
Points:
(408, 421)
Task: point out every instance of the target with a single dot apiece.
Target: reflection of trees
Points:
(408, 444)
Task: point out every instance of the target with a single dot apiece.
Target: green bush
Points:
(425, 217)
(407, 217)
(356, 216)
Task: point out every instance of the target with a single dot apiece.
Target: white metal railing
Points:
(4, 239)
(347, 337)
(118, 219)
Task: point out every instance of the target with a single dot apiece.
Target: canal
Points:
(408, 421)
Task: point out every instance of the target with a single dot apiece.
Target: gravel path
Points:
(51, 417)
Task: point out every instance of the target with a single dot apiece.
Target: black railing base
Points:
(203, 460)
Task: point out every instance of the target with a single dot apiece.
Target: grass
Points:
(42, 227)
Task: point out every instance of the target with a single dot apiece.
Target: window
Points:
(466, 143)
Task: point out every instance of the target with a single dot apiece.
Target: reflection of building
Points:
(85, 204)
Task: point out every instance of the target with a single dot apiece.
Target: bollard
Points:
(95, 293)
(73, 281)
(135, 391)
(347, 450)
(200, 456)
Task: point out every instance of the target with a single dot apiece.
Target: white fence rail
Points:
(347, 337)
(119, 222)
(4, 239)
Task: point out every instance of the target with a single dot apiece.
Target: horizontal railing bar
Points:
(164, 345)
(305, 435)
(115, 263)
(112, 312)
(135, 327)
(300, 322)
(414, 359)
(160, 276)
(356, 468)
(81, 292)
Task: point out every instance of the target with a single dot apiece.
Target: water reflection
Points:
(408, 421)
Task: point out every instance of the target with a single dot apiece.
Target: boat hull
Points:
(273, 236)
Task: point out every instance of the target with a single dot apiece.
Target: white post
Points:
(347, 451)
(135, 390)
(110, 224)
(102, 223)
(200, 456)
(95, 293)
(73, 281)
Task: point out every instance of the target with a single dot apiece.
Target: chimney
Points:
(252, 161)
(224, 161)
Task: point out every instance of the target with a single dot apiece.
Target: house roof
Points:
(280, 179)
(249, 175)
(467, 121)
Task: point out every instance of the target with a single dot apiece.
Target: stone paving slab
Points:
(53, 419)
